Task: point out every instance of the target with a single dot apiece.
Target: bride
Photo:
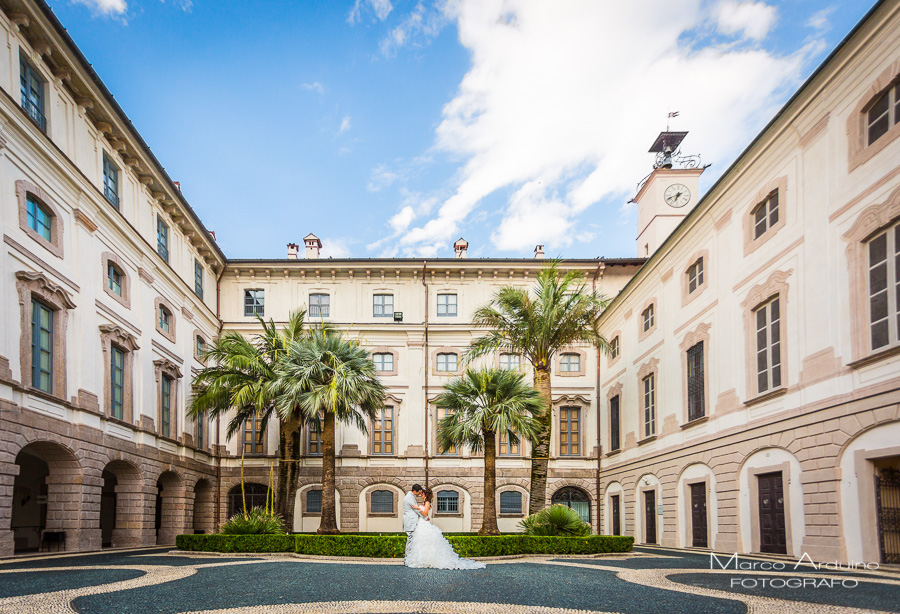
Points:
(429, 548)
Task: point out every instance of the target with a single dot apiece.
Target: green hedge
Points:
(392, 545)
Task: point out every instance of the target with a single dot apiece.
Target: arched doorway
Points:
(255, 494)
(121, 505)
(108, 508)
(45, 505)
(204, 507)
(574, 498)
(170, 507)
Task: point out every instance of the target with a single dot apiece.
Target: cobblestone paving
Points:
(650, 581)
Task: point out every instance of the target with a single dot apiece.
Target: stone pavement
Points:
(155, 581)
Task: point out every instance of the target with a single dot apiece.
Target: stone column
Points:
(8, 473)
(134, 526)
(174, 513)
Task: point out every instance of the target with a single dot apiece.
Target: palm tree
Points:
(239, 380)
(482, 404)
(332, 377)
(558, 312)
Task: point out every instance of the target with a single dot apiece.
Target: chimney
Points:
(460, 247)
(292, 251)
(313, 245)
(177, 185)
(212, 233)
(538, 252)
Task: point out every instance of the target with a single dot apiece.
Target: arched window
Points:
(447, 502)
(255, 494)
(574, 498)
(165, 319)
(382, 502)
(314, 501)
(511, 502)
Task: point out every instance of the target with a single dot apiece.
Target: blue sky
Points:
(392, 127)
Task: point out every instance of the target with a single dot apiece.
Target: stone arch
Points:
(381, 522)
(122, 505)
(689, 476)
(574, 495)
(49, 500)
(171, 507)
(509, 523)
(204, 507)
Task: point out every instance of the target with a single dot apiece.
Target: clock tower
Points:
(667, 194)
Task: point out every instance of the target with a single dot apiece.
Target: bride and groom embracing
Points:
(426, 545)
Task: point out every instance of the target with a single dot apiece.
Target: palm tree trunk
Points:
(289, 456)
(540, 451)
(328, 525)
(489, 521)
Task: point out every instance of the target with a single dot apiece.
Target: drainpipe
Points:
(597, 275)
(218, 448)
(427, 432)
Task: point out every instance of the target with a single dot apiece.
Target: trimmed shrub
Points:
(235, 543)
(258, 521)
(503, 545)
(374, 546)
(557, 520)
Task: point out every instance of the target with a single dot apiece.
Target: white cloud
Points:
(381, 8)
(345, 125)
(335, 248)
(419, 27)
(382, 177)
(106, 7)
(819, 20)
(315, 86)
(753, 19)
(562, 100)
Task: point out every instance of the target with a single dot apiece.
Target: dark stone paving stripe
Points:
(869, 595)
(29, 583)
(113, 559)
(290, 582)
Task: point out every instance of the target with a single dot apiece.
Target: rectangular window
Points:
(254, 303)
(165, 409)
(765, 215)
(32, 89)
(510, 362)
(447, 362)
(569, 431)
(38, 218)
(614, 348)
(319, 305)
(384, 361)
(884, 113)
(447, 502)
(383, 305)
(200, 432)
(615, 432)
(113, 278)
(382, 502)
(165, 319)
(110, 181)
(198, 279)
(253, 437)
(507, 448)
(162, 238)
(649, 384)
(884, 288)
(695, 382)
(314, 439)
(117, 382)
(314, 501)
(570, 363)
(446, 305)
(41, 346)
(647, 318)
(511, 502)
(383, 432)
(442, 413)
(768, 345)
(201, 348)
(695, 276)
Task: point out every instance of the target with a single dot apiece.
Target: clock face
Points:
(677, 195)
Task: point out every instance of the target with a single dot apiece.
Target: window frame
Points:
(456, 498)
(390, 494)
(38, 349)
(513, 450)
(256, 305)
(162, 238)
(108, 259)
(114, 386)
(615, 422)
(648, 405)
(29, 75)
(446, 305)
(695, 276)
(314, 439)
(446, 363)
(199, 277)
(439, 414)
(506, 512)
(26, 191)
(115, 337)
(166, 405)
(378, 426)
(111, 174)
(257, 441)
(307, 509)
(778, 187)
(376, 305)
(378, 359)
(649, 306)
(696, 381)
(565, 448)
(318, 305)
(767, 322)
(509, 363)
(859, 150)
(775, 286)
(565, 362)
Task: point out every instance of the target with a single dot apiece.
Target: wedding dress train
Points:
(429, 548)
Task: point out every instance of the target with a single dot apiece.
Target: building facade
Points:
(750, 403)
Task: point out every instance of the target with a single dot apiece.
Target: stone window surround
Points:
(110, 335)
(523, 362)
(699, 334)
(452, 291)
(650, 367)
(643, 334)
(688, 527)
(514, 488)
(753, 474)
(383, 349)
(582, 362)
(642, 509)
(446, 350)
(24, 189)
(172, 323)
(580, 402)
(610, 360)
(303, 502)
(870, 221)
(615, 390)
(394, 403)
(461, 501)
(106, 258)
(383, 486)
(686, 295)
(858, 150)
(198, 333)
(612, 489)
(780, 185)
(34, 284)
(775, 286)
(166, 367)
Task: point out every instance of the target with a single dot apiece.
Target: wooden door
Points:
(616, 518)
(772, 537)
(698, 516)
(650, 516)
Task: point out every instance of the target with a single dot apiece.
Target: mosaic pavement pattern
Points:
(153, 581)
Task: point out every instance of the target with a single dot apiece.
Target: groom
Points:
(410, 515)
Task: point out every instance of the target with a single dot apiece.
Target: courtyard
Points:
(647, 581)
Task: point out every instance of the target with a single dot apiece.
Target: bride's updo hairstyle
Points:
(429, 495)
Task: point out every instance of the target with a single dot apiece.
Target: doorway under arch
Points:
(574, 498)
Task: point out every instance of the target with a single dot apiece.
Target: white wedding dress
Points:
(429, 548)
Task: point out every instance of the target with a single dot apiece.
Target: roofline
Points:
(418, 261)
(689, 218)
(86, 66)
